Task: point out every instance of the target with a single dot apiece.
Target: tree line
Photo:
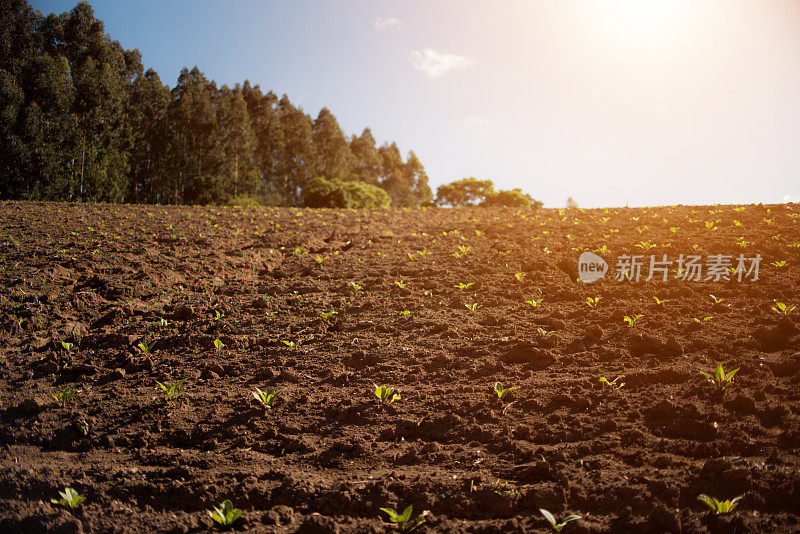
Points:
(80, 119)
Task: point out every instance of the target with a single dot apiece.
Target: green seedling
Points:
(327, 315)
(702, 320)
(321, 260)
(717, 300)
(64, 397)
(644, 245)
(172, 391)
(660, 302)
(464, 249)
(462, 286)
(782, 308)
(218, 314)
(69, 347)
(226, 515)
(631, 319)
(534, 302)
(404, 313)
(613, 384)
(519, 276)
(386, 394)
(542, 332)
(720, 507)
(291, 344)
(593, 302)
(267, 398)
(404, 520)
(720, 379)
(69, 499)
(219, 345)
(473, 307)
(163, 323)
(355, 287)
(499, 487)
(554, 524)
(500, 391)
(400, 284)
(782, 263)
(145, 348)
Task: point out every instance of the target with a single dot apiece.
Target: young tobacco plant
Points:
(593, 302)
(660, 302)
(69, 499)
(144, 347)
(473, 307)
(631, 319)
(717, 300)
(404, 520)
(534, 302)
(612, 384)
(720, 379)
(218, 344)
(782, 309)
(519, 276)
(720, 507)
(321, 260)
(267, 398)
(64, 397)
(500, 391)
(554, 524)
(226, 515)
(462, 286)
(69, 347)
(172, 391)
(327, 315)
(386, 394)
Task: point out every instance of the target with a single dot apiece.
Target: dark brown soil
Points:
(328, 456)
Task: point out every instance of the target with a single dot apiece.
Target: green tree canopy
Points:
(464, 192)
(81, 120)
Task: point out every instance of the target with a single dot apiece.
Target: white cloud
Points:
(474, 120)
(435, 64)
(791, 198)
(388, 23)
(481, 124)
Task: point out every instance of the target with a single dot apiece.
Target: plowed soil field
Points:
(431, 302)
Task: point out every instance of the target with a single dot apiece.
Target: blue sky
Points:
(613, 102)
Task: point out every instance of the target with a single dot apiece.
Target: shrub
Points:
(245, 201)
(514, 198)
(464, 192)
(323, 193)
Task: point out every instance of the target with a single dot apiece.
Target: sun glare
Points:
(640, 23)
